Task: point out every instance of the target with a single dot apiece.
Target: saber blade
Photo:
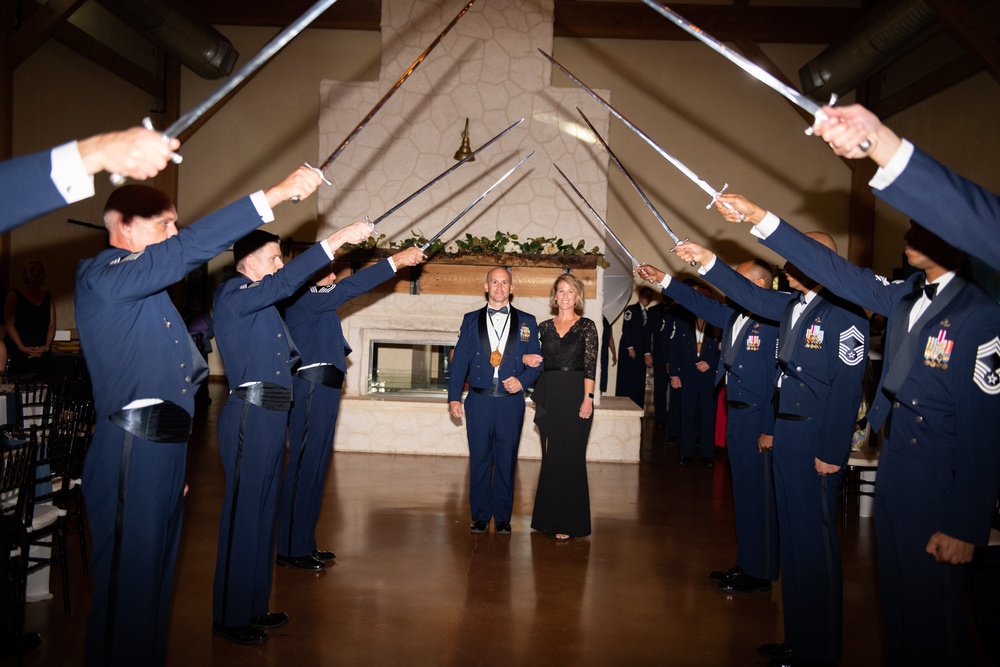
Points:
(598, 216)
(628, 176)
(754, 70)
(468, 208)
(385, 98)
(277, 43)
(645, 137)
(443, 174)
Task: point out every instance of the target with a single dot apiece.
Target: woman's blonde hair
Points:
(573, 282)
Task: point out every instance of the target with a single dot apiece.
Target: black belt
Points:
(492, 392)
(265, 395)
(162, 422)
(739, 404)
(327, 375)
(791, 418)
(563, 368)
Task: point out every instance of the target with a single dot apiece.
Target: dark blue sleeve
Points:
(280, 285)
(860, 286)
(961, 212)
(762, 302)
(714, 312)
(840, 411)
(356, 284)
(27, 190)
(465, 348)
(529, 374)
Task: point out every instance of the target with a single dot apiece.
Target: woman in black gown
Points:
(31, 324)
(564, 410)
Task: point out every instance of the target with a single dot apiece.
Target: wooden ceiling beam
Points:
(942, 78)
(90, 48)
(343, 15)
(37, 28)
(966, 30)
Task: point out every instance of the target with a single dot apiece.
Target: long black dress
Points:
(32, 322)
(562, 501)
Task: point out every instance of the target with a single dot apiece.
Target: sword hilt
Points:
(296, 199)
(686, 239)
(118, 180)
(819, 115)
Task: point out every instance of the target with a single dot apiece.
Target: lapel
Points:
(788, 334)
(730, 348)
(904, 349)
(484, 333)
(512, 333)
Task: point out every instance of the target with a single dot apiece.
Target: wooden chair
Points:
(17, 463)
(857, 482)
(71, 489)
(33, 403)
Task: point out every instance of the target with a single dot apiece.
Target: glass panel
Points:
(403, 367)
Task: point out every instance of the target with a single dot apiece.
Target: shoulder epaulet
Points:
(322, 289)
(254, 284)
(127, 258)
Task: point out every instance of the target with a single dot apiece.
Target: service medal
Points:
(495, 358)
(937, 352)
(814, 337)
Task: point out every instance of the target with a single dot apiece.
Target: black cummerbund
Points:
(327, 375)
(265, 395)
(562, 368)
(162, 422)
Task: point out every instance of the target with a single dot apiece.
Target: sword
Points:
(385, 98)
(754, 70)
(458, 217)
(252, 65)
(443, 174)
(670, 158)
(598, 216)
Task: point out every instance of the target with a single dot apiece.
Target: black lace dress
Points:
(562, 501)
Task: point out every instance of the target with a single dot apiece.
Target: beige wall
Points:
(709, 114)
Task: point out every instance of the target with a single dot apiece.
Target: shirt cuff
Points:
(69, 175)
(885, 176)
(665, 283)
(259, 202)
(326, 249)
(393, 265)
(705, 268)
(766, 227)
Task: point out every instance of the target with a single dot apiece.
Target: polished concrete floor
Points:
(412, 586)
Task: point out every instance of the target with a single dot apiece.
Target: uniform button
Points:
(919, 419)
(913, 441)
(187, 378)
(279, 335)
(183, 365)
(184, 391)
(277, 372)
(798, 368)
(895, 404)
(914, 401)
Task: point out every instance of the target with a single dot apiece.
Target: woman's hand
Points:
(587, 408)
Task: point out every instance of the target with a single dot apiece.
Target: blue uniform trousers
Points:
(753, 493)
(698, 405)
(252, 445)
(134, 490)
(811, 577)
(310, 443)
(494, 430)
(921, 599)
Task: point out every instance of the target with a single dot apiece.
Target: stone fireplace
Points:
(486, 69)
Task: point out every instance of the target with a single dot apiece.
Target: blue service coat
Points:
(136, 346)
(697, 392)
(631, 379)
(939, 468)
(964, 214)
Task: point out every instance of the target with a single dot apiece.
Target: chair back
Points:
(16, 476)
(83, 434)
(33, 403)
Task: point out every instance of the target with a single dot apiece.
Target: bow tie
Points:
(929, 289)
(802, 298)
(494, 311)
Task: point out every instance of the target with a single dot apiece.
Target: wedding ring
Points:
(865, 145)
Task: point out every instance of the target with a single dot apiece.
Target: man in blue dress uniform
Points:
(821, 359)
(490, 352)
(660, 324)
(260, 358)
(634, 350)
(748, 366)
(33, 185)
(313, 322)
(909, 180)
(939, 399)
(694, 356)
(145, 373)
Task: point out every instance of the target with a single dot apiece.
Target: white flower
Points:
(550, 249)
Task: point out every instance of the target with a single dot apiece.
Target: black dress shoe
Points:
(479, 526)
(22, 643)
(719, 575)
(795, 661)
(318, 554)
(708, 463)
(781, 651)
(269, 620)
(239, 634)
(744, 583)
(686, 460)
(300, 562)
(502, 527)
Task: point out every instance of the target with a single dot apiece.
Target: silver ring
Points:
(865, 145)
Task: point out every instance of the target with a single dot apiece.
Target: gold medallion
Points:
(495, 358)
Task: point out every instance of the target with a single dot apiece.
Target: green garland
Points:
(501, 242)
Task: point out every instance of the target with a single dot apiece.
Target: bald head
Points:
(824, 238)
(757, 271)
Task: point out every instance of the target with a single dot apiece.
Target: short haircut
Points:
(251, 243)
(647, 292)
(761, 270)
(137, 201)
(573, 282)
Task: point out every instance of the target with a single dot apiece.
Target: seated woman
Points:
(564, 410)
(31, 323)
